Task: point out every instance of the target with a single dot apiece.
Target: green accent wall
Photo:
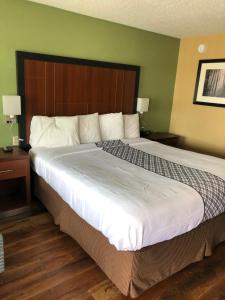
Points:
(28, 26)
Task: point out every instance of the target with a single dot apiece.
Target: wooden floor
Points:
(43, 263)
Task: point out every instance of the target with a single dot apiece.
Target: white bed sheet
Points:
(131, 206)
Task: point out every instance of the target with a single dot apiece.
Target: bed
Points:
(147, 256)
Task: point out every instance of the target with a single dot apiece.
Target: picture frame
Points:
(210, 83)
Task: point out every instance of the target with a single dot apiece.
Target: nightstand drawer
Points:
(13, 169)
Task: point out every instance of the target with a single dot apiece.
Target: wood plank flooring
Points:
(43, 263)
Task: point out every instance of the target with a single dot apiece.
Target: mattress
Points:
(129, 205)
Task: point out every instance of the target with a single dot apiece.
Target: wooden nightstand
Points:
(14, 182)
(162, 137)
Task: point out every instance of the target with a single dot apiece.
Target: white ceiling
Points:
(178, 18)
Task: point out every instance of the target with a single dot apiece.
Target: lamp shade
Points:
(142, 104)
(11, 105)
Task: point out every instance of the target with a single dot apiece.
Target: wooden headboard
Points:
(56, 86)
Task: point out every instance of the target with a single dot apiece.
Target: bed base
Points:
(133, 272)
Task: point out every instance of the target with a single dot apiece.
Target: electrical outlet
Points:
(15, 140)
(10, 120)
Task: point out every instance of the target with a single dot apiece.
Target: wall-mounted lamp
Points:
(11, 108)
(142, 105)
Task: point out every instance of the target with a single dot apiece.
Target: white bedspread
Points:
(131, 206)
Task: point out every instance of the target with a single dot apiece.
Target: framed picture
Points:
(210, 83)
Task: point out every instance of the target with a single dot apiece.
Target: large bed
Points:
(139, 226)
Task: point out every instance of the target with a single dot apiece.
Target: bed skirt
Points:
(133, 272)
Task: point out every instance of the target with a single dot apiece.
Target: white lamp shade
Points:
(142, 104)
(11, 105)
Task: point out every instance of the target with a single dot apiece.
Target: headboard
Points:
(55, 86)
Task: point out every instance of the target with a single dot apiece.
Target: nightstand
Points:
(14, 182)
(162, 137)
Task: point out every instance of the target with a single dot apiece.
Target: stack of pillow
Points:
(92, 128)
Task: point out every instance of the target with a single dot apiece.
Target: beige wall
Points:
(202, 127)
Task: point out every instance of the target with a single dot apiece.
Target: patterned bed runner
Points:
(210, 187)
(2, 267)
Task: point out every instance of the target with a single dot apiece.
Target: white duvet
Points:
(131, 206)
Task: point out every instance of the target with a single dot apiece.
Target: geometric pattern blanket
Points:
(210, 187)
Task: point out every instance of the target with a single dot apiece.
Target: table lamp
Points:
(11, 109)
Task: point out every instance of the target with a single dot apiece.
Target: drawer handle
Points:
(6, 171)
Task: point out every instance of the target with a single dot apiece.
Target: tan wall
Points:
(202, 127)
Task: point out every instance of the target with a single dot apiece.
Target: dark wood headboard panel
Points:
(55, 86)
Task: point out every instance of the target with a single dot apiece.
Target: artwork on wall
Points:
(210, 83)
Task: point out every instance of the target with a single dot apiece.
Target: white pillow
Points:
(37, 128)
(131, 126)
(54, 131)
(89, 129)
(111, 126)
